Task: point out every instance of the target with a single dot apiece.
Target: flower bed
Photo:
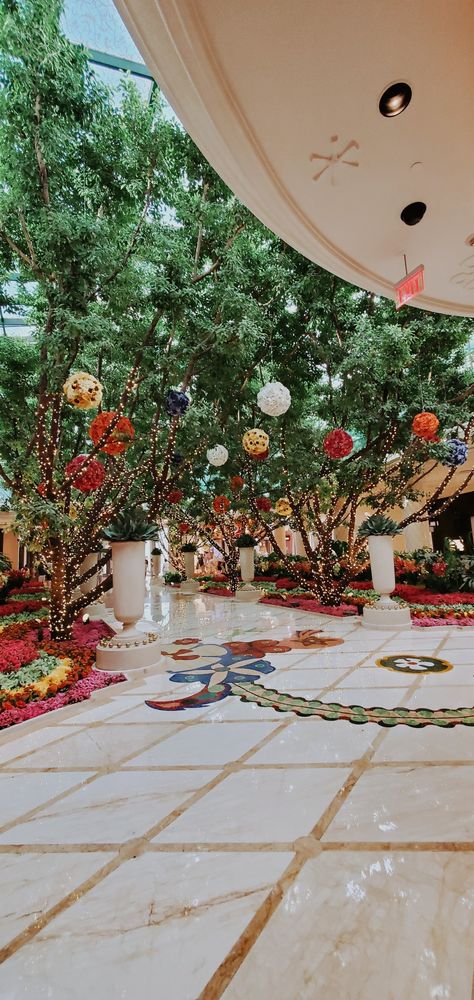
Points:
(38, 675)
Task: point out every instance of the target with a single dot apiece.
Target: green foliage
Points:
(131, 525)
(189, 547)
(156, 551)
(173, 577)
(378, 524)
(246, 542)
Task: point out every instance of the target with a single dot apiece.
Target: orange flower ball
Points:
(425, 424)
(221, 504)
(120, 438)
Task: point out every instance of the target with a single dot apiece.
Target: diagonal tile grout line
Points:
(130, 849)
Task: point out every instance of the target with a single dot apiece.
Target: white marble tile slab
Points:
(112, 809)
(32, 883)
(19, 793)
(16, 744)
(428, 744)
(315, 741)
(407, 803)
(258, 806)
(368, 926)
(207, 744)
(164, 922)
(98, 747)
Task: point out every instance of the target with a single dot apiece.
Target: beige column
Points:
(11, 548)
(279, 535)
(418, 534)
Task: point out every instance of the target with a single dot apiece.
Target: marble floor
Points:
(230, 850)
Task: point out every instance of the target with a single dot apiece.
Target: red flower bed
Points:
(17, 607)
(15, 653)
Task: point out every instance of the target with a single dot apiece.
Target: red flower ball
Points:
(41, 489)
(221, 505)
(338, 443)
(183, 527)
(236, 483)
(425, 425)
(121, 436)
(262, 457)
(90, 479)
(263, 503)
(174, 496)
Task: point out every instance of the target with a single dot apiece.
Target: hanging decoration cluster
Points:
(274, 399)
(263, 503)
(338, 443)
(218, 455)
(455, 452)
(256, 442)
(121, 436)
(92, 477)
(176, 403)
(83, 391)
(283, 507)
(221, 504)
(425, 425)
(236, 483)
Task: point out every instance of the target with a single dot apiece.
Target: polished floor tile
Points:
(368, 926)
(315, 741)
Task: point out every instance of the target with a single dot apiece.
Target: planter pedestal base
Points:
(189, 587)
(386, 615)
(129, 650)
(248, 594)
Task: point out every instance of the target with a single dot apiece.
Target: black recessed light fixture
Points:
(395, 99)
(413, 213)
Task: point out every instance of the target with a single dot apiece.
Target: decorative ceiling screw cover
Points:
(218, 455)
(176, 403)
(274, 399)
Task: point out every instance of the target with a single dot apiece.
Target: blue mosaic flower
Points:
(225, 668)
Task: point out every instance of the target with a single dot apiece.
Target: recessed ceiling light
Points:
(395, 99)
(413, 213)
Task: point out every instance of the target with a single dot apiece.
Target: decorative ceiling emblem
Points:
(465, 278)
(334, 160)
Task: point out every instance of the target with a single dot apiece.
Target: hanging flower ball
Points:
(261, 458)
(183, 527)
(121, 436)
(176, 403)
(176, 458)
(274, 399)
(83, 391)
(263, 503)
(174, 496)
(255, 442)
(236, 483)
(455, 453)
(41, 489)
(218, 455)
(425, 425)
(221, 504)
(338, 443)
(90, 479)
(283, 507)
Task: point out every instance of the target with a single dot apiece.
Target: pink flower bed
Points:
(15, 653)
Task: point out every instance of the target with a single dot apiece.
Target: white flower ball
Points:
(217, 455)
(274, 399)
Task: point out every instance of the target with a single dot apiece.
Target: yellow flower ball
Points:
(255, 442)
(83, 391)
(283, 507)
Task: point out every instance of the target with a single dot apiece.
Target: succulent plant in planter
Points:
(156, 551)
(130, 526)
(246, 542)
(189, 547)
(378, 524)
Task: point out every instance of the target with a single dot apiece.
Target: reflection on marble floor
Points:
(235, 851)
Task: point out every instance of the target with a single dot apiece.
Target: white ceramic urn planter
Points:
(386, 613)
(130, 648)
(247, 593)
(190, 585)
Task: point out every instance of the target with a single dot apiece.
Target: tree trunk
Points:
(61, 619)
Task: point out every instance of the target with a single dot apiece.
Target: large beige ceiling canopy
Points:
(344, 125)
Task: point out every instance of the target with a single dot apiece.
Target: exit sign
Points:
(409, 286)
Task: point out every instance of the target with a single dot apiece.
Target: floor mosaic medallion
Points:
(232, 669)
